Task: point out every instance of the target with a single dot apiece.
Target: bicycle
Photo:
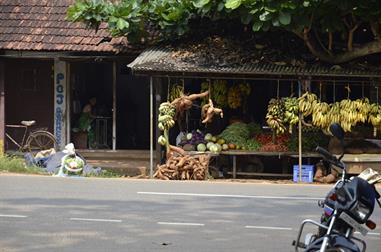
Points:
(32, 141)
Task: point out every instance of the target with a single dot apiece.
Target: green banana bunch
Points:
(218, 93)
(161, 140)
(176, 92)
(291, 114)
(275, 116)
(166, 114)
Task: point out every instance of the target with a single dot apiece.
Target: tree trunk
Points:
(358, 52)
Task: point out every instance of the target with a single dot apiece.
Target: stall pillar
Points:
(2, 109)
(114, 69)
(60, 93)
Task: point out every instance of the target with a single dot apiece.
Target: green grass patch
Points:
(17, 165)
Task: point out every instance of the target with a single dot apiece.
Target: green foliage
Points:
(173, 18)
(17, 165)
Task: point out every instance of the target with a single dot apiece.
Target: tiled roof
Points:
(166, 61)
(41, 25)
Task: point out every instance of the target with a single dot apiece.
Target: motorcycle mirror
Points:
(337, 131)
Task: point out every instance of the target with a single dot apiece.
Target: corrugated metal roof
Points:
(161, 61)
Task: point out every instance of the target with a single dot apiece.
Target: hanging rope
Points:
(348, 90)
(320, 87)
(292, 89)
(362, 89)
(377, 94)
(277, 90)
(169, 87)
(210, 88)
(334, 91)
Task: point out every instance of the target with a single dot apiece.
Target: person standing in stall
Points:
(86, 119)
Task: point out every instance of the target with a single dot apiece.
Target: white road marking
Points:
(96, 220)
(229, 196)
(270, 228)
(369, 233)
(13, 216)
(181, 224)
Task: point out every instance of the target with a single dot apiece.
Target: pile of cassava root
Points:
(184, 167)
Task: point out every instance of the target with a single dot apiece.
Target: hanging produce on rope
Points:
(321, 115)
(234, 97)
(375, 117)
(208, 111)
(291, 113)
(238, 94)
(306, 103)
(275, 116)
(175, 92)
(185, 102)
(218, 92)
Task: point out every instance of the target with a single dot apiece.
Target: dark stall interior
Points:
(30, 83)
(133, 113)
(89, 81)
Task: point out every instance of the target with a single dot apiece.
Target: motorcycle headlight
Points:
(360, 211)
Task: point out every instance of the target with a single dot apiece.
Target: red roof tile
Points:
(42, 25)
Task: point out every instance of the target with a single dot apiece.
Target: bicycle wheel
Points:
(40, 140)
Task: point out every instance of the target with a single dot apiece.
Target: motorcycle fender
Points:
(336, 241)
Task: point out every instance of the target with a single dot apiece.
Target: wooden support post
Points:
(300, 136)
(114, 105)
(151, 127)
(2, 108)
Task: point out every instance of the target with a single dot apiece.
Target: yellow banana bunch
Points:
(275, 116)
(306, 103)
(245, 89)
(234, 97)
(375, 117)
(320, 115)
(362, 107)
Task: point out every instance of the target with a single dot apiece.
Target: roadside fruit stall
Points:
(278, 109)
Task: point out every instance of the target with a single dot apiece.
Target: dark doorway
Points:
(87, 81)
(133, 111)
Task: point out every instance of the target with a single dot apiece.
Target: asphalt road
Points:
(44, 214)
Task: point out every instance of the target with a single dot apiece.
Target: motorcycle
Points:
(347, 208)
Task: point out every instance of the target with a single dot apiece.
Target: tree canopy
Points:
(335, 31)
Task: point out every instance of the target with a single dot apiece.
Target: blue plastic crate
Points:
(307, 173)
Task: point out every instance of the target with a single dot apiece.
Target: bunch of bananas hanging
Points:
(245, 88)
(166, 114)
(275, 116)
(176, 91)
(306, 103)
(362, 107)
(291, 114)
(375, 117)
(321, 115)
(234, 97)
(218, 93)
